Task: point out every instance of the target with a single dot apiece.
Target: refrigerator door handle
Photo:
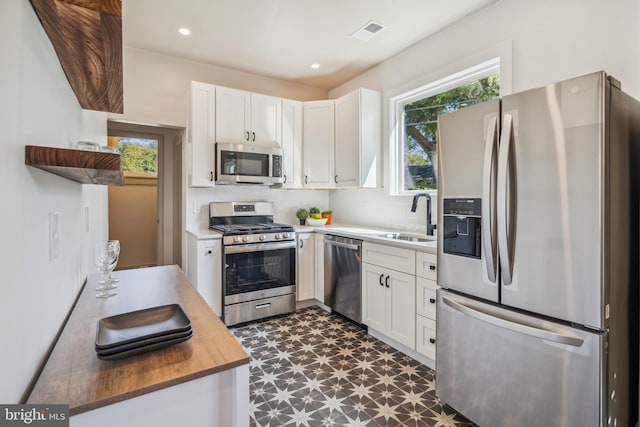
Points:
(506, 195)
(512, 325)
(488, 199)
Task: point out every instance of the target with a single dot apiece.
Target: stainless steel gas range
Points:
(258, 261)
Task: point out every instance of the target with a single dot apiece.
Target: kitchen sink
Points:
(407, 237)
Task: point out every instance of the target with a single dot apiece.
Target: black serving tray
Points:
(144, 348)
(141, 343)
(141, 325)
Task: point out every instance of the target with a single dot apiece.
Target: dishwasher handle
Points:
(342, 245)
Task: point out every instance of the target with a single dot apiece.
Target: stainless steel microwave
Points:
(248, 164)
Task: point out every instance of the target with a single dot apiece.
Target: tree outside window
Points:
(420, 145)
(139, 155)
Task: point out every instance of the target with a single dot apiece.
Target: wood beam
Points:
(87, 37)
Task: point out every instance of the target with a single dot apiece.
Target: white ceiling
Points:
(282, 38)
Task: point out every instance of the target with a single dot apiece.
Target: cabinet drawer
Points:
(398, 259)
(426, 337)
(426, 298)
(426, 265)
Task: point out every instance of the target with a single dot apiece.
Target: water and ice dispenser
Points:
(461, 231)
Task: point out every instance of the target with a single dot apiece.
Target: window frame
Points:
(397, 105)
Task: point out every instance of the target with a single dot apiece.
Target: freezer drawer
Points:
(500, 368)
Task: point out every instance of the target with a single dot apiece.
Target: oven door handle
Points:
(235, 249)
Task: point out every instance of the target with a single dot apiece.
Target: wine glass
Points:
(104, 259)
(111, 281)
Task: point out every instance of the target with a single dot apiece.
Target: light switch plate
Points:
(54, 236)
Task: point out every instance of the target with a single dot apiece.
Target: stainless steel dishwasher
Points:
(342, 276)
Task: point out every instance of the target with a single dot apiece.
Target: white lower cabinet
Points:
(204, 269)
(305, 272)
(388, 296)
(426, 336)
(426, 304)
(319, 266)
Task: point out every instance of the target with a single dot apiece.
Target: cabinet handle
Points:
(284, 177)
(381, 276)
(247, 135)
(301, 243)
(432, 300)
(209, 252)
(386, 282)
(254, 136)
(211, 176)
(432, 267)
(335, 178)
(306, 179)
(432, 340)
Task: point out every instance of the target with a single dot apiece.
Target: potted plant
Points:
(327, 214)
(302, 214)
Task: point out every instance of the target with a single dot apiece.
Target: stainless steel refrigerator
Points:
(538, 257)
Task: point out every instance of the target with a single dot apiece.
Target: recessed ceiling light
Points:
(315, 65)
(184, 31)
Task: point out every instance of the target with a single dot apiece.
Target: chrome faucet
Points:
(414, 205)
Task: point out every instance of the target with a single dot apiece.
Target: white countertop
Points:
(375, 235)
(204, 233)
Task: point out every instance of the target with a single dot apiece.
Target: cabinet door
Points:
(426, 337)
(374, 297)
(426, 297)
(318, 144)
(201, 142)
(426, 265)
(209, 273)
(319, 267)
(347, 142)
(292, 143)
(266, 120)
(306, 260)
(358, 142)
(401, 313)
(233, 116)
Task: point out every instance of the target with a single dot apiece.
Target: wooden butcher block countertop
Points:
(74, 375)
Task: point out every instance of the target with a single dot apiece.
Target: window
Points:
(416, 114)
(139, 155)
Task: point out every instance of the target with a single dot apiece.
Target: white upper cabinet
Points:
(201, 144)
(318, 144)
(292, 143)
(358, 139)
(266, 120)
(247, 118)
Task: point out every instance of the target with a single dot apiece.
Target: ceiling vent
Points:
(367, 31)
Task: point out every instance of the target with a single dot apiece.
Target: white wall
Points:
(285, 202)
(547, 40)
(155, 86)
(39, 108)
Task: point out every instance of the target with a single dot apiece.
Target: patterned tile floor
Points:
(313, 368)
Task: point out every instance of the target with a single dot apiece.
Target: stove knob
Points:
(245, 238)
(236, 239)
(277, 236)
(285, 236)
(262, 237)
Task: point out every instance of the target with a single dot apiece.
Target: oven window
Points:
(253, 271)
(240, 163)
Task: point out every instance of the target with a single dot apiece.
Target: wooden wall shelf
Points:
(86, 167)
